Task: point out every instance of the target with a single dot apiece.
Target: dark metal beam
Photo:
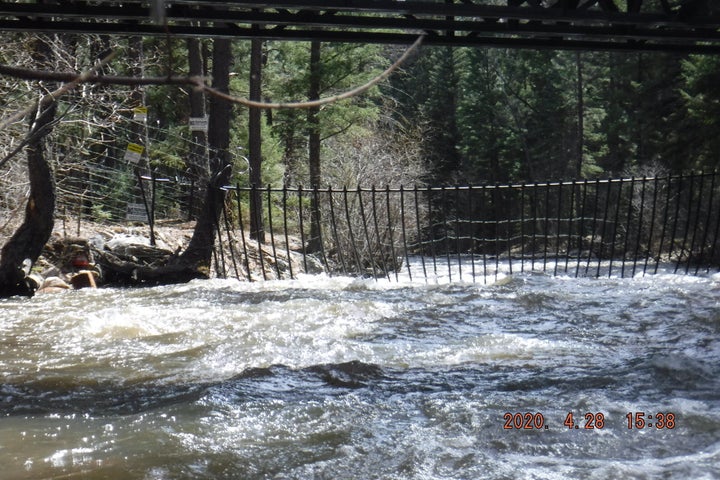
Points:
(567, 24)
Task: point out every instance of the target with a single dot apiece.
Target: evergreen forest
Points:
(448, 116)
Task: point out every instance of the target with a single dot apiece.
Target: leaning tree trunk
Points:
(193, 263)
(24, 247)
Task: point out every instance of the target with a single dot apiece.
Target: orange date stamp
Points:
(589, 421)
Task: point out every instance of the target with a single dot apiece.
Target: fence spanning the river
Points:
(611, 227)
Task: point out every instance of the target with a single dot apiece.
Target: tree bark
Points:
(21, 252)
(220, 109)
(25, 246)
(255, 140)
(314, 142)
(197, 159)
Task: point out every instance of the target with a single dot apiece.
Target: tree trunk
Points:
(25, 246)
(194, 262)
(580, 141)
(255, 140)
(314, 146)
(21, 252)
(220, 110)
(197, 159)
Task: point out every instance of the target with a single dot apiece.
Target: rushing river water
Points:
(339, 378)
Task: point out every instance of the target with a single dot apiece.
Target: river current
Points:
(526, 377)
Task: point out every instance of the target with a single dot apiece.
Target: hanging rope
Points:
(323, 101)
(90, 77)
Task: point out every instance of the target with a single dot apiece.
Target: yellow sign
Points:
(134, 152)
(140, 114)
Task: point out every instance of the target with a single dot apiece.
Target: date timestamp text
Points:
(589, 421)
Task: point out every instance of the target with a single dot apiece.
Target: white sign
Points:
(134, 152)
(199, 124)
(136, 212)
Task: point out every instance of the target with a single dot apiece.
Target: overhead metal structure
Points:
(664, 25)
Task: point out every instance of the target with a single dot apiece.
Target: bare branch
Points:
(54, 95)
(90, 77)
(29, 74)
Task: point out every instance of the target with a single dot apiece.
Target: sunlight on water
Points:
(325, 377)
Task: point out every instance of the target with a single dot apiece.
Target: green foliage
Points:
(496, 115)
(702, 98)
(287, 78)
(448, 116)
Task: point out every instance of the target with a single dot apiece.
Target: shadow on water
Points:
(61, 395)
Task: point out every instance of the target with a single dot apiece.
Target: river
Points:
(521, 377)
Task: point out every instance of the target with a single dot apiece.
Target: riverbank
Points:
(132, 242)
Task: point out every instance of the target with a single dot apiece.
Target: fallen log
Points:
(146, 266)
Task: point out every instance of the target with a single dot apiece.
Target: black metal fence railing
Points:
(613, 227)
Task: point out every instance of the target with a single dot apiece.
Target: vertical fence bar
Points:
(508, 232)
(220, 249)
(639, 224)
(381, 252)
(431, 231)
(687, 221)
(471, 228)
(581, 229)
(272, 231)
(366, 232)
(627, 226)
(616, 222)
(696, 223)
(315, 218)
(706, 227)
(546, 240)
(446, 240)
(302, 227)
(522, 227)
(393, 258)
(285, 228)
(419, 230)
(496, 222)
(254, 193)
(351, 236)
(535, 202)
(230, 243)
(404, 232)
(558, 228)
(652, 223)
(242, 234)
(676, 217)
(570, 223)
(484, 237)
(458, 231)
(664, 223)
(604, 226)
(336, 237)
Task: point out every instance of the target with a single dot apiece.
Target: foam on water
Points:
(334, 377)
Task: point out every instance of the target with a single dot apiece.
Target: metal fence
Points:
(612, 227)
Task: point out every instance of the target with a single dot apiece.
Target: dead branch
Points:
(90, 77)
(59, 92)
